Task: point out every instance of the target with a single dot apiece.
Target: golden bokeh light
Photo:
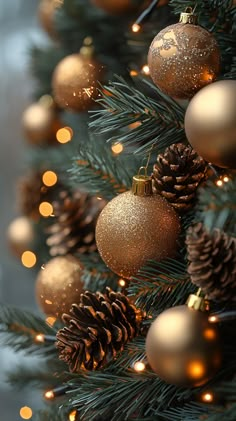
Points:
(139, 366)
(196, 369)
(64, 135)
(213, 319)
(146, 70)
(207, 397)
(72, 416)
(209, 334)
(133, 73)
(136, 27)
(51, 320)
(117, 148)
(122, 282)
(45, 209)
(40, 338)
(49, 178)
(49, 394)
(28, 259)
(26, 412)
(226, 179)
(219, 183)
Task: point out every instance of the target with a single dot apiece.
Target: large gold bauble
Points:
(182, 347)
(210, 123)
(46, 14)
(182, 59)
(115, 7)
(40, 124)
(59, 285)
(75, 82)
(20, 235)
(132, 229)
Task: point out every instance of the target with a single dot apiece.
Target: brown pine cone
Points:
(177, 175)
(31, 192)
(96, 330)
(75, 221)
(212, 262)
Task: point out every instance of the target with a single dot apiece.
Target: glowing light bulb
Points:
(28, 259)
(26, 412)
(40, 338)
(136, 27)
(145, 69)
(49, 394)
(72, 416)
(117, 148)
(64, 135)
(139, 366)
(207, 397)
(226, 179)
(49, 178)
(212, 319)
(45, 209)
(122, 282)
(219, 183)
(133, 73)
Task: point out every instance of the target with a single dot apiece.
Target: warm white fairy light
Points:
(139, 366)
(207, 397)
(26, 413)
(136, 27)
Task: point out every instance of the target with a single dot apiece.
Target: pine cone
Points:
(212, 258)
(97, 329)
(75, 221)
(177, 175)
(31, 192)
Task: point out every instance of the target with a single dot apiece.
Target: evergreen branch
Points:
(161, 118)
(18, 329)
(23, 376)
(52, 414)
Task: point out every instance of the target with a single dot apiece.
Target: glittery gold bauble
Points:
(115, 7)
(20, 235)
(182, 347)
(132, 229)
(210, 123)
(46, 14)
(182, 59)
(75, 82)
(40, 124)
(59, 285)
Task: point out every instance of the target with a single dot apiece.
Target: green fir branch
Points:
(161, 118)
(18, 329)
(24, 376)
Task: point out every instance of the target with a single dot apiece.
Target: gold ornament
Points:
(59, 285)
(46, 14)
(183, 58)
(210, 123)
(182, 346)
(115, 7)
(40, 122)
(136, 226)
(20, 235)
(75, 80)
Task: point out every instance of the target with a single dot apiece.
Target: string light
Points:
(28, 259)
(219, 183)
(49, 178)
(226, 179)
(26, 412)
(136, 27)
(45, 209)
(64, 134)
(139, 366)
(145, 69)
(49, 394)
(207, 397)
(57, 391)
(40, 338)
(212, 319)
(133, 73)
(122, 283)
(117, 148)
(72, 416)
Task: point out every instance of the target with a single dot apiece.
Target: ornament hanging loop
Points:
(188, 16)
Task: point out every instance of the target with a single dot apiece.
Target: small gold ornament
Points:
(75, 80)
(210, 123)
(40, 122)
(183, 58)
(116, 7)
(46, 14)
(182, 346)
(59, 285)
(20, 235)
(136, 226)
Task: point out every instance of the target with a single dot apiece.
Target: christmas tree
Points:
(134, 219)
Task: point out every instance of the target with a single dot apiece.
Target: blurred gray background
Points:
(18, 28)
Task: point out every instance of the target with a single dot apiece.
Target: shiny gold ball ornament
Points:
(114, 7)
(210, 123)
(59, 285)
(40, 122)
(136, 226)
(46, 15)
(182, 346)
(183, 58)
(20, 235)
(75, 80)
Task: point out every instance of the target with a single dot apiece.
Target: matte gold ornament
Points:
(46, 14)
(136, 226)
(75, 80)
(115, 7)
(20, 235)
(59, 285)
(182, 346)
(40, 122)
(183, 58)
(210, 123)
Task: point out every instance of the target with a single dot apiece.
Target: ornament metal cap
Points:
(142, 184)
(188, 16)
(198, 302)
